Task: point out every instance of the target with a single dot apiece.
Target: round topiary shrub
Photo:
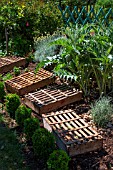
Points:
(2, 92)
(21, 114)
(58, 160)
(12, 103)
(43, 143)
(30, 126)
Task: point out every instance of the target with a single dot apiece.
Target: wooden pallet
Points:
(72, 133)
(8, 63)
(29, 82)
(52, 98)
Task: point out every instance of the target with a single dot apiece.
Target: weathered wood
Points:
(52, 98)
(7, 64)
(29, 82)
(73, 135)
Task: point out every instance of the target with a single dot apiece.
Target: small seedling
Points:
(8, 76)
(16, 71)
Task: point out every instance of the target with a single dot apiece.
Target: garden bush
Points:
(24, 21)
(58, 160)
(2, 91)
(49, 19)
(30, 126)
(43, 143)
(12, 103)
(101, 111)
(104, 3)
(21, 114)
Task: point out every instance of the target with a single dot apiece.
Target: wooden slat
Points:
(72, 133)
(53, 98)
(29, 82)
(7, 64)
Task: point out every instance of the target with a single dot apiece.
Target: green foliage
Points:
(43, 143)
(2, 91)
(1, 118)
(58, 160)
(48, 19)
(30, 58)
(43, 48)
(16, 71)
(12, 103)
(73, 61)
(7, 76)
(30, 125)
(24, 21)
(21, 114)
(10, 151)
(101, 111)
(19, 23)
(87, 53)
(26, 70)
(104, 3)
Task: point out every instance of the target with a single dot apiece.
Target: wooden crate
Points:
(8, 63)
(29, 82)
(52, 98)
(72, 133)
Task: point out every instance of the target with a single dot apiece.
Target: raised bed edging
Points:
(72, 133)
(52, 98)
(29, 82)
(7, 64)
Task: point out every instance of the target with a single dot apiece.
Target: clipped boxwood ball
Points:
(58, 160)
(30, 126)
(21, 114)
(12, 103)
(43, 143)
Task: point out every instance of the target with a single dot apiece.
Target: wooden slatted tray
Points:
(52, 98)
(72, 133)
(7, 63)
(28, 82)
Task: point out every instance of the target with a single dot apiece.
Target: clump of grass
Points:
(101, 111)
